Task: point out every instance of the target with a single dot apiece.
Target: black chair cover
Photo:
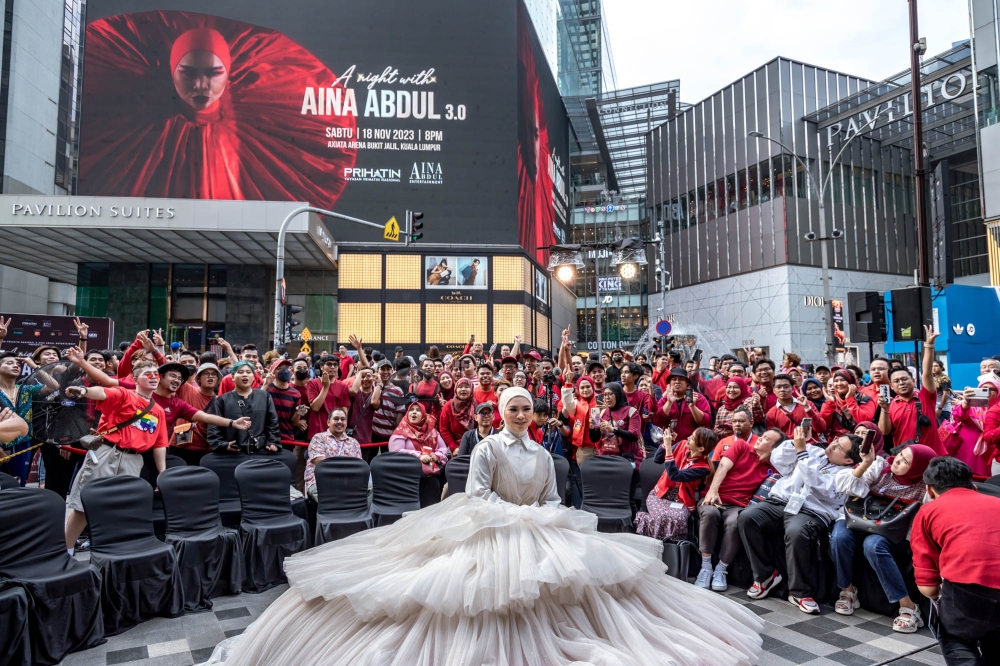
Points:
(342, 487)
(15, 645)
(269, 530)
(149, 474)
(606, 484)
(649, 473)
(64, 610)
(141, 576)
(209, 555)
(562, 474)
(288, 458)
(7, 481)
(224, 465)
(456, 472)
(395, 486)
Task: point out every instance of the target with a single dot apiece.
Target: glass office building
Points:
(737, 212)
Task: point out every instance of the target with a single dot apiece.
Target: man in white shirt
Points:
(803, 503)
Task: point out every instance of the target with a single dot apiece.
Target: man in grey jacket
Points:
(803, 503)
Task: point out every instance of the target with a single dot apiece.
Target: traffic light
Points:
(413, 226)
(290, 321)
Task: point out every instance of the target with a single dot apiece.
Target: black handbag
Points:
(888, 517)
(679, 555)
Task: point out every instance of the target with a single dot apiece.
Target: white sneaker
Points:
(719, 583)
(704, 578)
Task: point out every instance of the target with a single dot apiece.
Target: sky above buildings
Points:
(708, 44)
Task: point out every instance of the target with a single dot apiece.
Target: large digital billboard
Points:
(366, 108)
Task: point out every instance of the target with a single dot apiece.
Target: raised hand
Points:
(158, 338)
(82, 329)
(3, 327)
(929, 335)
(355, 342)
(74, 354)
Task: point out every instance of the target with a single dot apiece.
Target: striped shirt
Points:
(389, 412)
(285, 401)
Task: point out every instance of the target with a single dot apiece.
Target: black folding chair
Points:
(7, 481)
(14, 636)
(342, 488)
(562, 474)
(224, 465)
(141, 576)
(606, 484)
(269, 530)
(456, 472)
(395, 486)
(649, 473)
(209, 555)
(149, 473)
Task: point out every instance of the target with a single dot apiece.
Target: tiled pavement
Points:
(790, 636)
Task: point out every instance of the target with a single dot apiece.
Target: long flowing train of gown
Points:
(475, 581)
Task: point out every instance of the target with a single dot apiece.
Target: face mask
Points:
(191, 370)
(284, 375)
(301, 374)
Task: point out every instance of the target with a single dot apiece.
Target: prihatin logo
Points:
(373, 175)
(426, 173)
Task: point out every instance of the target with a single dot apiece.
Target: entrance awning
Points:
(49, 235)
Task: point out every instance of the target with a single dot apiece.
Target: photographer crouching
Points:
(264, 436)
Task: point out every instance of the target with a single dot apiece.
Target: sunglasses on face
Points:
(151, 375)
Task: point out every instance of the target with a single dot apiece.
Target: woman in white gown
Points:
(502, 574)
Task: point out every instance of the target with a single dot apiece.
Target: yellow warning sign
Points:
(391, 229)
(306, 335)
(305, 348)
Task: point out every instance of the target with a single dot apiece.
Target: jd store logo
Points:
(970, 329)
(426, 173)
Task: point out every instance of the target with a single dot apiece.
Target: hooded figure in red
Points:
(187, 105)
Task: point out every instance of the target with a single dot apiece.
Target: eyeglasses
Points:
(151, 375)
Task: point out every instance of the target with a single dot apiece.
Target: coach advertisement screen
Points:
(366, 108)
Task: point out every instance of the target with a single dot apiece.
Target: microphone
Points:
(556, 371)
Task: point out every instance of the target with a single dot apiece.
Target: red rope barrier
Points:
(292, 442)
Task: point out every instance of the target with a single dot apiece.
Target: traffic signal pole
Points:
(279, 311)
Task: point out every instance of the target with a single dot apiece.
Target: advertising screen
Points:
(28, 332)
(366, 108)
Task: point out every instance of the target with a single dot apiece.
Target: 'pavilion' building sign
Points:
(950, 88)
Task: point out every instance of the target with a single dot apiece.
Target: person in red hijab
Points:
(847, 407)
(898, 478)
(737, 394)
(878, 444)
(416, 436)
(193, 106)
(458, 415)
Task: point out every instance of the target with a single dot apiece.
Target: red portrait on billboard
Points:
(535, 207)
(188, 105)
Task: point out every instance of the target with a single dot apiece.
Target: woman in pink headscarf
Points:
(736, 395)
(962, 435)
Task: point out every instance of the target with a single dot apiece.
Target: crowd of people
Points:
(757, 456)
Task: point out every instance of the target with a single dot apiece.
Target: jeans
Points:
(18, 466)
(878, 552)
(969, 624)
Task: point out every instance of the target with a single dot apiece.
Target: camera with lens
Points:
(549, 379)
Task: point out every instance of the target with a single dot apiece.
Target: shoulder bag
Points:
(94, 441)
(888, 517)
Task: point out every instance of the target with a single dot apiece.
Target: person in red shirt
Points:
(172, 377)
(458, 415)
(661, 372)
(910, 409)
(249, 354)
(345, 361)
(675, 406)
(121, 453)
(741, 470)
(630, 374)
(788, 412)
(326, 393)
(742, 429)
(208, 377)
(878, 370)
(484, 391)
(847, 407)
(763, 376)
(955, 542)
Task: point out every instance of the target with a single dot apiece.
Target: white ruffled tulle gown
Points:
(500, 575)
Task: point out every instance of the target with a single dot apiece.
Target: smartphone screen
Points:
(869, 440)
(689, 395)
(807, 425)
(673, 425)
(697, 356)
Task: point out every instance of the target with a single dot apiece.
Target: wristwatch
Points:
(230, 423)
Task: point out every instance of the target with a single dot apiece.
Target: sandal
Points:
(909, 620)
(848, 602)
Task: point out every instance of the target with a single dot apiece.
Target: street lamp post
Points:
(823, 238)
(279, 311)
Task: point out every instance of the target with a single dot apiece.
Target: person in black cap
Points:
(690, 410)
(596, 371)
(399, 352)
(484, 428)
(172, 377)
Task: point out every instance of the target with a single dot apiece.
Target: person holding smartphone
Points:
(899, 477)
(965, 428)
(791, 411)
(681, 403)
